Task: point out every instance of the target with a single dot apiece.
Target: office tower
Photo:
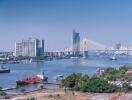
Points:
(76, 43)
(30, 47)
(118, 46)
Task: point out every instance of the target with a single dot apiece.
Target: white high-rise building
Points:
(30, 47)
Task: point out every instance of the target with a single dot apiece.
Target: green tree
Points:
(97, 84)
(74, 80)
(31, 98)
(123, 69)
(84, 83)
(3, 94)
(111, 71)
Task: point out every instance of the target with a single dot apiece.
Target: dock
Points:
(53, 83)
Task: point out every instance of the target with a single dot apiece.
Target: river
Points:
(61, 66)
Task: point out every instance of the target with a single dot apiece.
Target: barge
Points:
(32, 80)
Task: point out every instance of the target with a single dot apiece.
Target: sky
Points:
(105, 21)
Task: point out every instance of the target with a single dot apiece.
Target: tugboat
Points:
(4, 70)
(32, 80)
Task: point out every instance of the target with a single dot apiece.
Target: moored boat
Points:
(4, 70)
(113, 58)
(32, 80)
(59, 77)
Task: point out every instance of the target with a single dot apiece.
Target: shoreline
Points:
(61, 94)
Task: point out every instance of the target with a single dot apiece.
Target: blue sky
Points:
(105, 21)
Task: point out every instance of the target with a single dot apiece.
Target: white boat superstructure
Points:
(59, 77)
(113, 57)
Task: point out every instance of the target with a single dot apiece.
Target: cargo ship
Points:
(4, 70)
(32, 80)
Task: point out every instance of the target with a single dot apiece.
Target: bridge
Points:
(87, 45)
(90, 45)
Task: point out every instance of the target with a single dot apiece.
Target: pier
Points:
(53, 83)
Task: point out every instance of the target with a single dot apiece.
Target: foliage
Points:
(128, 77)
(113, 74)
(99, 85)
(111, 71)
(31, 98)
(81, 82)
(2, 93)
(126, 88)
(123, 69)
(74, 79)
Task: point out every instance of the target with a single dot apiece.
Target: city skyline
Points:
(107, 22)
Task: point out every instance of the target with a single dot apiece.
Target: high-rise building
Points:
(76, 43)
(118, 46)
(30, 47)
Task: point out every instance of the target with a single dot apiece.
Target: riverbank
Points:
(60, 94)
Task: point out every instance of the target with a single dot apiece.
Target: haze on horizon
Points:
(105, 21)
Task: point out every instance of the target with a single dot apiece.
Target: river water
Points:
(62, 66)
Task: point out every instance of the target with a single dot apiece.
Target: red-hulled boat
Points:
(32, 80)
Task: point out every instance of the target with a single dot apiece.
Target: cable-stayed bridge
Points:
(87, 44)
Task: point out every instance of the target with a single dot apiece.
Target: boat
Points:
(74, 57)
(59, 77)
(113, 58)
(4, 70)
(30, 61)
(26, 61)
(32, 80)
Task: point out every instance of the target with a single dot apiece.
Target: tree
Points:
(111, 71)
(74, 80)
(3, 94)
(126, 88)
(97, 84)
(84, 83)
(31, 98)
(123, 69)
(71, 80)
